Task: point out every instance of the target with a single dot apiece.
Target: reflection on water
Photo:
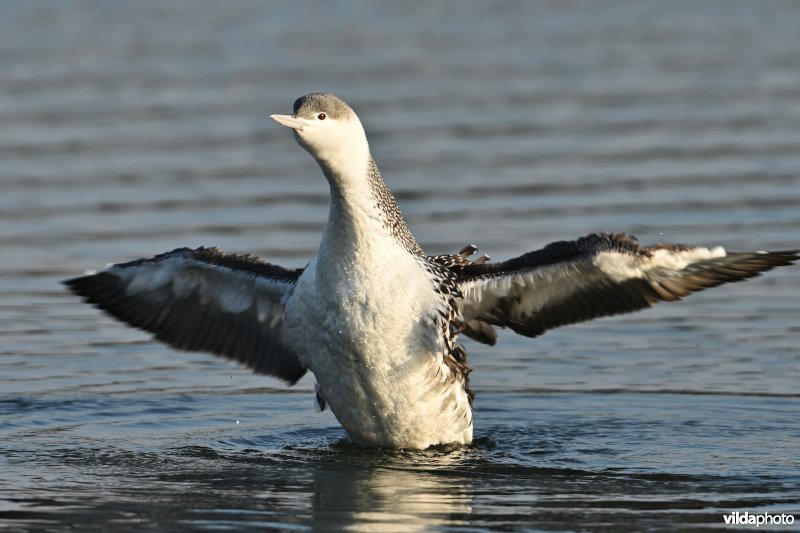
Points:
(134, 128)
(394, 495)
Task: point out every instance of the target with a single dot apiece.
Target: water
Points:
(134, 128)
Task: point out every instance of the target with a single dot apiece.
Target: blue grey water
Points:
(132, 128)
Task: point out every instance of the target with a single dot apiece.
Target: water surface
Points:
(135, 128)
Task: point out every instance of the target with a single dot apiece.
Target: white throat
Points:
(341, 149)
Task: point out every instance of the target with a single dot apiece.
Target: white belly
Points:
(370, 336)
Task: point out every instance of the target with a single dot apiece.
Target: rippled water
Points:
(133, 128)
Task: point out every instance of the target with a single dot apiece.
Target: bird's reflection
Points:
(397, 492)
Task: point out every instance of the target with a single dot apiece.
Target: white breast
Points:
(366, 325)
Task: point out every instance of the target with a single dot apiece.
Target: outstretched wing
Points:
(597, 275)
(203, 300)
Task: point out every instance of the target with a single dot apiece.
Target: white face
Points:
(331, 140)
(316, 134)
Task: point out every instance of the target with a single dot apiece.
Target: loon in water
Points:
(376, 319)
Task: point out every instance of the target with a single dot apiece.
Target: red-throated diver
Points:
(376, 319)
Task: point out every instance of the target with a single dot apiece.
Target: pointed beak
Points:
(289, 121)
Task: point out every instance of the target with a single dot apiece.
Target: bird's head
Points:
(328, 129)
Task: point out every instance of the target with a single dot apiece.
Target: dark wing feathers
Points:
(203, 300)
(597, 275)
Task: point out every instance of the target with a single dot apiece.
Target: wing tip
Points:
(783, 257)
(85, 285)
(763, 261)
(78, 285)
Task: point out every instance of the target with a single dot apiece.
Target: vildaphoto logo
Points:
(762, 519)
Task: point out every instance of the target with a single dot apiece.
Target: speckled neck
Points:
(386, 203)
(359, 195)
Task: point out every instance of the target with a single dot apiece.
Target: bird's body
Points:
(355, 334)
(376, 319)
(375, 342)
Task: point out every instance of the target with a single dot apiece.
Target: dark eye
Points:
(322, 116)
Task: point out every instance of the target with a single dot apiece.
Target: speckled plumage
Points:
(393, 218)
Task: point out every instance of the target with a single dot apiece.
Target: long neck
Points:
(362, 207)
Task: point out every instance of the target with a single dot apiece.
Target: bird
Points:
(376, 319)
